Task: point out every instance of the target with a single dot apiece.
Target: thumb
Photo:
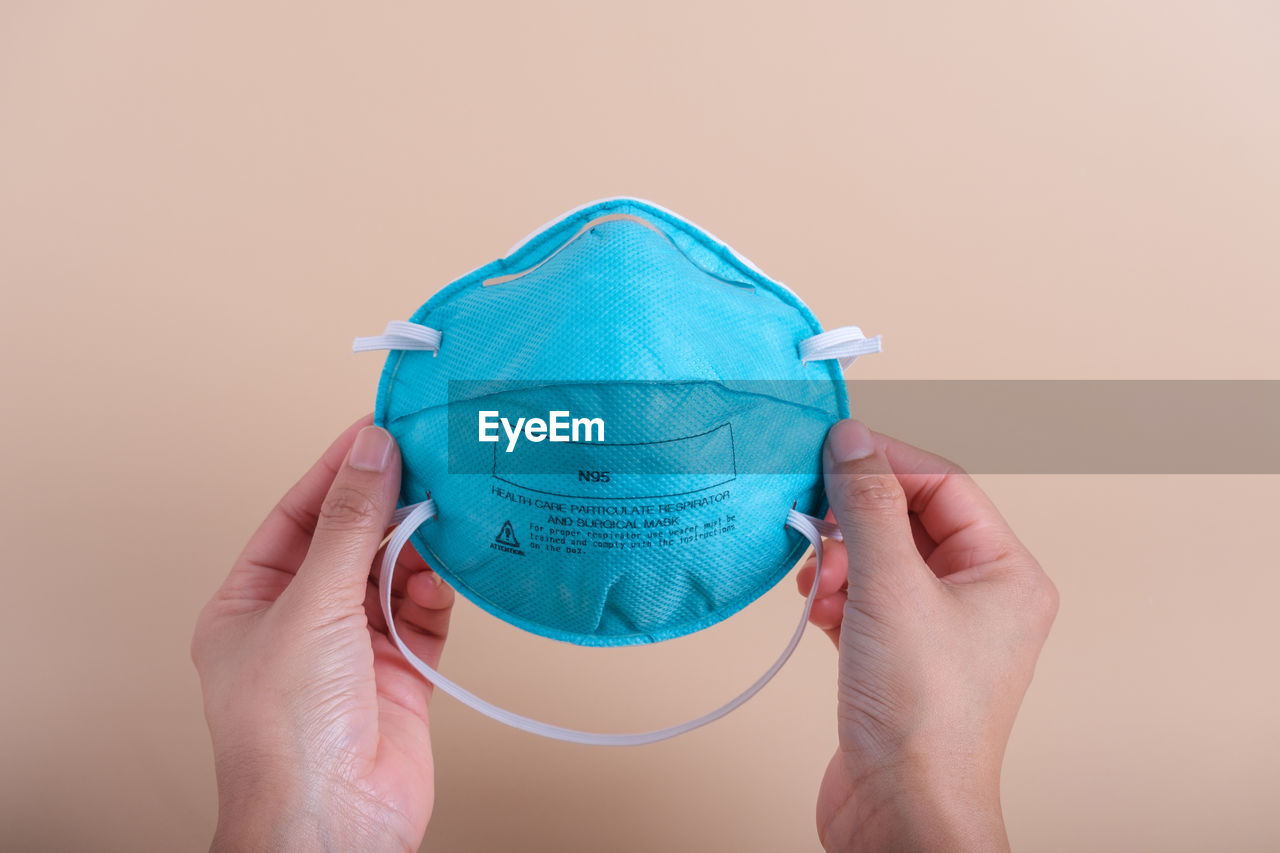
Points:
(870, 507)
(351, 522)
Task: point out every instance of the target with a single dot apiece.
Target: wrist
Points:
(265, 829)
(263, 804)
(913, 806)
(294, 809)
(923, 819)
(259, 811)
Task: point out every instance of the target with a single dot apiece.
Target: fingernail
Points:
(850, 440)
(372, 450)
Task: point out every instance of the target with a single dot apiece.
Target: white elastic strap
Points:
(419, 513)
(845, 344)
(828, 529)
(402, 513)
(401, 335)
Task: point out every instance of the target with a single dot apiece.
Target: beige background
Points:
(199, 207)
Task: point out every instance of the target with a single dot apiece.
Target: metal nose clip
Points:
(614, 217)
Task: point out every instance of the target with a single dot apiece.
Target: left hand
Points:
(319, 727)
(939, 613)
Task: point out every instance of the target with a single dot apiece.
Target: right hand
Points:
(939, 613)
(320, 729)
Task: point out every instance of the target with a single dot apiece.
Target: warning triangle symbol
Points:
(507, 536)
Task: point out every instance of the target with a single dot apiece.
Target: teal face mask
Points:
(611, 435)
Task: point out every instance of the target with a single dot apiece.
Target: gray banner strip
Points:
(1082, 426)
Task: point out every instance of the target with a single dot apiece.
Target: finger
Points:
(871, 509)
(429, 592)
(835, 570)
(373, 607)
(423, 626)
(274, 552)
(409, 562)
(938, 490)
(351, 521)
(827, 611)
(407, 565)
(827, 614)
(281, 540)
(425, 612)
(432, 596)
(924, 542)
(397, 681)
(953, 511)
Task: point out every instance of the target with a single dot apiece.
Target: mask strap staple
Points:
(845, 343)
(415, 515)
(401, 335)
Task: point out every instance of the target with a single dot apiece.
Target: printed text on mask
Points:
(558, 426)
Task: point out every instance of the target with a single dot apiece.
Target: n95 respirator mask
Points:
(611, 436)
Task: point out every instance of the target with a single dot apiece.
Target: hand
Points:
(320, 734)
(939, 613)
